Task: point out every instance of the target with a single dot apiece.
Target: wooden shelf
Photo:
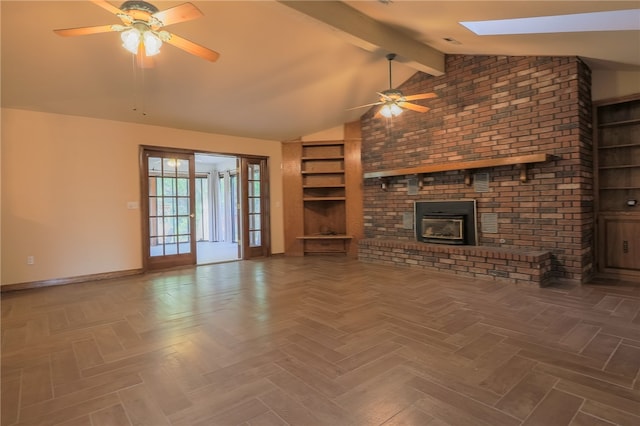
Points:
(324, 198)
(325, 237)
(626, 145)
(325, 244)
(322, 143)
(329, 157)
(521, 160)
(323, 172)
(337, 185)
(619, 187)
(625, 166)
(619, 123)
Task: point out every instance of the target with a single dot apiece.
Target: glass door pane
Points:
(203, 218)
(253, 205)
(170, 192)
(254, 215)
(233, 207)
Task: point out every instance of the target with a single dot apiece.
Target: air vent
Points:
(481, 182)
(489, 223)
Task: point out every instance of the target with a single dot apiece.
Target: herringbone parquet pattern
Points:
(319, 341)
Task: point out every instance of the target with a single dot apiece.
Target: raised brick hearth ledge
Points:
(517, 266)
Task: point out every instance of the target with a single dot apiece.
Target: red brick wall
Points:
(491, 107)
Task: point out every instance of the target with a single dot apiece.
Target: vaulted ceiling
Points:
(286, 69)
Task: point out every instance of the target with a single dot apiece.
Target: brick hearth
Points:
(518, 266)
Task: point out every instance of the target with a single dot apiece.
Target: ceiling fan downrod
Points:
(390, 57)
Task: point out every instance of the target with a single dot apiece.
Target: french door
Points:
(255, 207)
(168, 207)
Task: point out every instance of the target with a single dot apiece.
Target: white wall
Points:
(66, 182)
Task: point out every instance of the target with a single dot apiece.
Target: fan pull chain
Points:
(134, 84)
(143, 90)
(141, 85)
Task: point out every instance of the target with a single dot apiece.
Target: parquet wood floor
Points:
(319, 341)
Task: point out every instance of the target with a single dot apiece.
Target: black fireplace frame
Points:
(465, 208)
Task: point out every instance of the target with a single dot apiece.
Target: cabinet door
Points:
(622, 243)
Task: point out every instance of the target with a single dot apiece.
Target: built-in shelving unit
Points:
(323, 195)
(617, 158)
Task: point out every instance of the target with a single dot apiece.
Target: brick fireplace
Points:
(489, 107)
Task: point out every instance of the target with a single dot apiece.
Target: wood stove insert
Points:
(446, 222)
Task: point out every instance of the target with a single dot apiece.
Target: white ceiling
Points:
(281, 73)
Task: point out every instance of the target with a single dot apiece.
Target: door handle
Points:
(192, 215)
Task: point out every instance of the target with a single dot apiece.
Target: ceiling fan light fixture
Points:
(152, 43)
(141, 34)
(131, 40)
(390, 109)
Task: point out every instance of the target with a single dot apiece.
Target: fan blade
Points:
(413, 107)
(385, 98)
(107, 6)
(420, 96)
(70, 32)
(181, 13)
(364, 106)
(193, 48)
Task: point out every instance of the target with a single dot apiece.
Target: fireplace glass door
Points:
(449, 229)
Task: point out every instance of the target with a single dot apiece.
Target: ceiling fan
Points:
(393, 101)
(142, 30)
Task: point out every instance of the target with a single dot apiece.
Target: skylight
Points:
(616, 20)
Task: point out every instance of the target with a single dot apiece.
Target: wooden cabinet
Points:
(323, 195)
(618, 185)
(622, 242)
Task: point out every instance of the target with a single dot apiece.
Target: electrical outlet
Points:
(30, 260)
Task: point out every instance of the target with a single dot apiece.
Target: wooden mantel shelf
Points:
(521, 160)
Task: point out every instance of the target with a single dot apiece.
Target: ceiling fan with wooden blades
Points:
(393, 101)
(142, 30)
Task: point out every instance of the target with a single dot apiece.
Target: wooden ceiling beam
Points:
(371, 35)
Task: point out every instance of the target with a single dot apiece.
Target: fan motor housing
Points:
(393, 94)
(139, 5)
